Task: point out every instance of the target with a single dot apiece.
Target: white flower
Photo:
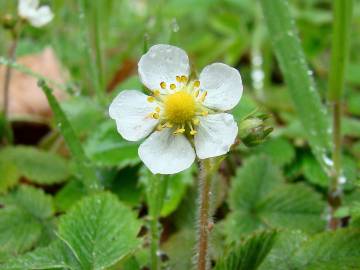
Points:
(181, 114)
(37, 16)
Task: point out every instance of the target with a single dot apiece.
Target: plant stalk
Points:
(204, 218)
(339, 57)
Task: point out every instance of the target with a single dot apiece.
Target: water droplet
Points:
(328, 161)
(342, 179)
(174, 25)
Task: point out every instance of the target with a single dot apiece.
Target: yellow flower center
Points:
(179, 107)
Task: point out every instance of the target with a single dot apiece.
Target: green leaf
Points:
(56, 255)
(84, 168)
(39, 166)
(250, 254)
(287, 243)
(19, 231)
(100, 231)
(337, 250)
(72, 192)
(306, 99)
(273, 147)
(23, 219)
(9, 175)
(259, 198)
(105, 147)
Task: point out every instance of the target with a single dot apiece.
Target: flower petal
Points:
(215, 135)
(166, 153)
(131, 111)
(27, 8)
(162, 63)
(42, 17)
(223, 85)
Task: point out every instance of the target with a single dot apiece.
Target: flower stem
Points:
(340, 49)
(204, 218)
(156, 195)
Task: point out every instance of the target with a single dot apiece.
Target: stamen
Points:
(157, 109)
(168, 125)
(197, 84)
(151, 99)
(163, 85)
(197, 92)
(156, 93)
(155, 115)
(178, 78)
(172, 86)
(205, 113)
(192, 131)
(196, 121)
(180, 130)
(203, 96)
(184, 79)
(159, 127)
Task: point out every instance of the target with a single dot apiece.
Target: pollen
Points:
(179, 107)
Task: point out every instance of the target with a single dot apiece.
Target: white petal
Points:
(27, 8)
(166, 153)
(42, 17)
(215, 135)
(162, 63)
(223, 85)
(130, 109)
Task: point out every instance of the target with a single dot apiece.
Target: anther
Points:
(178, 78)
(155, 115)
(151, 99)
(172, 86)
(179, 131)
(159, 127)
(197, 84)
(163, 85)
(184, 79)
(205, 113)
(156, 93)
(157, 109)
(196, 121)
(193, 132)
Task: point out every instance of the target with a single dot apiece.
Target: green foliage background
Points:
(78, 198)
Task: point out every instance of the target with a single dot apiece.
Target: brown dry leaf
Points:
(26, 98)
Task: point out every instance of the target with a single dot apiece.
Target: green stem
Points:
(204, 218)
(340, 50)
(156, 195)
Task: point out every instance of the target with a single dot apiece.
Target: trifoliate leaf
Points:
(100, 231)
(39, 166)
(259, 198)
(279, 150)
(23, 219)
(249, 254)
(56, 256)
(9, 175)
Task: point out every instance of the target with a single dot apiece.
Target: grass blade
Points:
(286, 44)
(85, 170)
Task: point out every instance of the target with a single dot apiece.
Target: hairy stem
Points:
(204, 218)
(340, 49)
